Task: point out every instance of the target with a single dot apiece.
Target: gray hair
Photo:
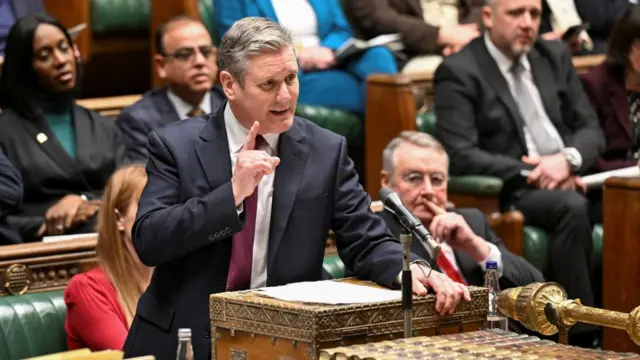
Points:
(416, 138)
(250, 36)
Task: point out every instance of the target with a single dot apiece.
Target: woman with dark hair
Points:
(65, 153)
(614, 90)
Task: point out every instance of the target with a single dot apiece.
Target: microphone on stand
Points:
(392, 202)
(407, 288)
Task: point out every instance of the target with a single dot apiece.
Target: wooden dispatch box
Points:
(245, 325)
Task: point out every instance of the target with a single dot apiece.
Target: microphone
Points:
(392, 202)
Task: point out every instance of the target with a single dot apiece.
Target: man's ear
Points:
(228, 84)
(384, 179)
(487, 17)
(160, 66)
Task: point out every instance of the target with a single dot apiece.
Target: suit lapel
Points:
(266, 7)
(494, 77)
(164, 106)
(292, 151)
(469, 268)
(213, 151)
(546, 83)
(51, 146)
(620, 104)
(416, 7)
(84, 145)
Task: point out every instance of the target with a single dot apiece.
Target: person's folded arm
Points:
(10, 187)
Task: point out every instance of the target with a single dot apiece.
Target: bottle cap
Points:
(492, 265)
(183, 333)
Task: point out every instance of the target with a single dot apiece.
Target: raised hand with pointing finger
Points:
(251, 166)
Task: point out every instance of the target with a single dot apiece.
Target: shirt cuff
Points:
(494, 255)
(240, 208)
(575, 154)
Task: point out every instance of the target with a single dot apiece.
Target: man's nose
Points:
(283, 94)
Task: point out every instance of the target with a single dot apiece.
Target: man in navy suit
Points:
(186, 61)
(245, 198)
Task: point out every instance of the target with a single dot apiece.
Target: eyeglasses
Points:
(417, 179)
(188, 54)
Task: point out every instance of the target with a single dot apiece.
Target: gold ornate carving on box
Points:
(312, 326)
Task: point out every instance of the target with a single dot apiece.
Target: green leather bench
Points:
(120, 16)
(32, 325)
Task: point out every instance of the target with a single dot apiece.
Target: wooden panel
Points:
(621, 255)
(71, 13)
(109, 106)
(38, 267)
(161, 11)
(391, 108)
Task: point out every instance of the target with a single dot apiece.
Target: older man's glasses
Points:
(417, 179)
(189, 54)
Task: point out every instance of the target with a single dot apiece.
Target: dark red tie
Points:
(242, 243)
(447, 268)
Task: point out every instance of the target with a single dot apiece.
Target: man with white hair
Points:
(510, 105)
(245, 198)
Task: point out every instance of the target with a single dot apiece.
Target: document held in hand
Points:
(597, 180)
(354, 47)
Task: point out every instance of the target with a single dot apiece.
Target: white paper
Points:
(330, 292)
(596, 180)
(67, 237)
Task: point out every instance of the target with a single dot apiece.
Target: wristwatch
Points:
(572, 159)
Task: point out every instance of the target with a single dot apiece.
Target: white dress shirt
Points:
(183, 108)
(505, 64)
(494, 255)
(237, 134)
(300, 19)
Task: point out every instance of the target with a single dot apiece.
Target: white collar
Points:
(237, 134)
(183, 108)
(503, 62)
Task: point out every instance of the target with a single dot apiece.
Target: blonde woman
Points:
(101, 303)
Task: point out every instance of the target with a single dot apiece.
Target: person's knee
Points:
(380, 59)
(574, 204)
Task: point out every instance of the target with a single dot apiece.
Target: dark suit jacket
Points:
(23, 8)
(370, 18)
(600, 14)
(10, 199)
(151, 112)
(187, 215)
(606, 90)
(48, 172)
(480, 125)
(517, 271)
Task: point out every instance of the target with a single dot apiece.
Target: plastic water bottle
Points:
(495, 319)
(185, 349)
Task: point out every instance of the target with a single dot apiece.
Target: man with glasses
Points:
(415, 165)
(186, 62)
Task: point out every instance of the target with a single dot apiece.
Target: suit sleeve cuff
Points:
(494, 255)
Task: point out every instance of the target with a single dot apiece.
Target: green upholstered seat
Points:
(109, 16)
(334, 266)
(32, 325)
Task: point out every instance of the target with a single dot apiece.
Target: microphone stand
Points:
(407, 291)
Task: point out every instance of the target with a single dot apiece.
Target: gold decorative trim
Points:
(17, 279)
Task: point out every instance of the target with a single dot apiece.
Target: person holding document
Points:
(245, 198)
(510, 101)
(318, 29)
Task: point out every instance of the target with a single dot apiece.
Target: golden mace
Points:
(544, 308)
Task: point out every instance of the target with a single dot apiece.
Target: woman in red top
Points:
(101, 303)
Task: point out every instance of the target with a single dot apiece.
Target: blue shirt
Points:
(7, 19)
